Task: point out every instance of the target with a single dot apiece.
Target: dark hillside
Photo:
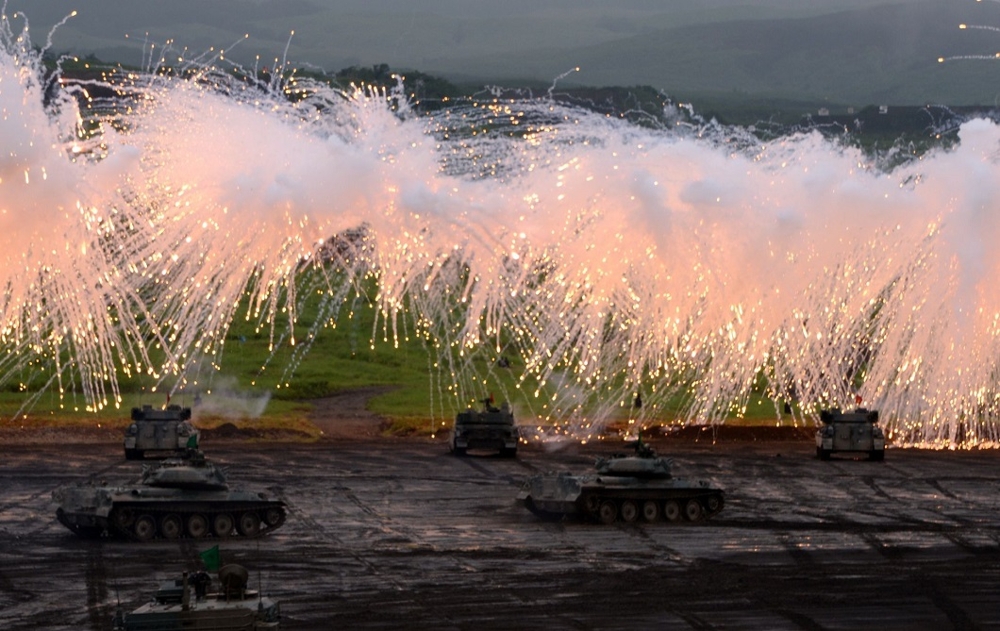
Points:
(840, 52)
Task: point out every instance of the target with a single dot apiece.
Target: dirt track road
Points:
(391, 533)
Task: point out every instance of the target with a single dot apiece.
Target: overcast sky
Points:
(773, 47)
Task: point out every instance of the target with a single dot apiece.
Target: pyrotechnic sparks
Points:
(974, 27)
(610, 260)
(68, 307)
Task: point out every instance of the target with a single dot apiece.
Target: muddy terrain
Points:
(389, 533)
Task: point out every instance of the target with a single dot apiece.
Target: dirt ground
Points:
(389, 533)
(345, 416)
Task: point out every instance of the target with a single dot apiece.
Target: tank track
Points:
(632, 507)
(244, 519)
(541, 513)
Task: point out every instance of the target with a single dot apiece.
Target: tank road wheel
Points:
(714, 503)
(273, 516)
(249, 524)
(171, 527)
(122, 518)
(197, 526)
(692, 510)
(629, 511)
(593, 504)
(650, 511)
(608, 512)
(222, 525)
(671, 510)
(144, 528)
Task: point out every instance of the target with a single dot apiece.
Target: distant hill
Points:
(882, 54)
(836, 52)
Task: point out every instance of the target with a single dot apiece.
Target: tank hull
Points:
(147, 513)
(850, 432)
(608, 499)
(202, 618)
(492, 429)
(162, 433)
(490, 438)
(180, 605)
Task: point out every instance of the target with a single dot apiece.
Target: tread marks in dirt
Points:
(470, 461)
(800, 555)
(870, 483)
(936, 485)
(955, 613)
(329, 534)
(10, 593)
(406, 534)
(640, 532)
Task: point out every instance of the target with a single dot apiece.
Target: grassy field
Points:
(250, 386)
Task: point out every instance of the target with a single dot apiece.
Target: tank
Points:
(193, 602)
(625, 488)
(493, 428)
(176, 498)
(165, 432)
(850, 432)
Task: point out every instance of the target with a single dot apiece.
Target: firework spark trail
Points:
(797, 263)
(611, 259)
(980, 27)
(64, 298)
(976, 27)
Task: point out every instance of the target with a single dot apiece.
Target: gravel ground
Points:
(389, 533)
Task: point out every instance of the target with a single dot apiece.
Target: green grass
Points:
(349, 355)
(341, 358)
(352, 348)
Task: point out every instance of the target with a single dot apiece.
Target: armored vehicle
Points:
(493, 428)
(855, 432)
(167, 431)
(175, 498)
(625, 488)
(232, 606)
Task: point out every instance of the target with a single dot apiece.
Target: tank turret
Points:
(176, 498)
(635, 467)
(193, 472)
(625, 488)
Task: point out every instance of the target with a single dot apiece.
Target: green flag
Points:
(210, 558)
(192, 442)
